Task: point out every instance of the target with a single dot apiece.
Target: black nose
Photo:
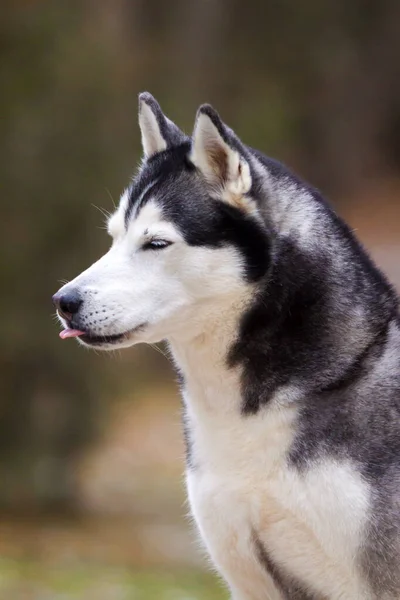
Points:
(67, 303)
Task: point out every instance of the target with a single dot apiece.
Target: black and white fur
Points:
(287, 339)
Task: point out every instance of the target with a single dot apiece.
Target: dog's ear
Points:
(158, 132)
(220, 156)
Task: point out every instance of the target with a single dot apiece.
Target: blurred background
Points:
(92, 502)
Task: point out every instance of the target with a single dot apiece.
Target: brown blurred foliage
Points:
(315, 83)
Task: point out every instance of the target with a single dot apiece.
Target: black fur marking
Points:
(176, 186)
(290, 588)
(277, 342)
(226, 225)
(156, 169)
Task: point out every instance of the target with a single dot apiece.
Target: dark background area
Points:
(90, 446)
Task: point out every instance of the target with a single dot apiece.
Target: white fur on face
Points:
(167, 289)
(116, 222)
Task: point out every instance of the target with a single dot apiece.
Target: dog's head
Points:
(186, 237)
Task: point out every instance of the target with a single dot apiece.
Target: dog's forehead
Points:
(160, 178)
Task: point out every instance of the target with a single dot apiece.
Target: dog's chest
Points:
(243, 493)
(226, 488)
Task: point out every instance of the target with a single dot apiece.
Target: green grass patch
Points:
(29, 580)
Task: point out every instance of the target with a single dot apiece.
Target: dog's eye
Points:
(156, 244)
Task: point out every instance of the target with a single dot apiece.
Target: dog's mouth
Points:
(98, 340)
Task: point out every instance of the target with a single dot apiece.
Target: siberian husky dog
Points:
(287, 340)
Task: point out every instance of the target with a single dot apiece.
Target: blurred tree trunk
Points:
(49, 406)
(199, 44)
(354, 102)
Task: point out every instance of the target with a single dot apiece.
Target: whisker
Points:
(106, 213)
(164, 354)
(112, 199)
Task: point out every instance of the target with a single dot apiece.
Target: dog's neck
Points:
(216, 432)
(202, 358)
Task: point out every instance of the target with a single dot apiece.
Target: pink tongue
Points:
(67, 333)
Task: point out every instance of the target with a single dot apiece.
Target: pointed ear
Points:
(220, 157)
(158, 132)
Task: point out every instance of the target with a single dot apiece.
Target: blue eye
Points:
(156, 244)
